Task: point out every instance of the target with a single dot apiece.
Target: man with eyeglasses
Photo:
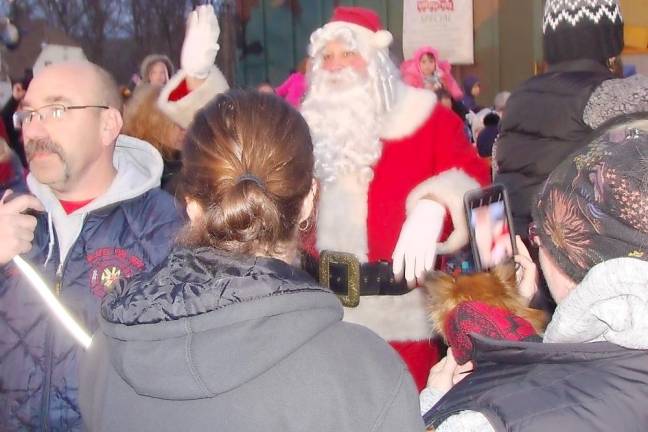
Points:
(96, 214)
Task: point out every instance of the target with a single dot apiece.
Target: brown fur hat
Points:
(483, 297)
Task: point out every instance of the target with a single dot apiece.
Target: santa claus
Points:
(393, 166)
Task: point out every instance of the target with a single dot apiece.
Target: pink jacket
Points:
(411, 72)
(293, 89)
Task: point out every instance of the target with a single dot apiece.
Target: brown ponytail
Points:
(248, 161)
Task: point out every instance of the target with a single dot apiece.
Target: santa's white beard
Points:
(344, 120)
(342, 114)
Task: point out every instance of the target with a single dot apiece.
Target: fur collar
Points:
(413, 107)
(182, 111)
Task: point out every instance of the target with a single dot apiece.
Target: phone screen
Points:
(492, 239)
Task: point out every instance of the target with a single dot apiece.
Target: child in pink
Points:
(426, 70)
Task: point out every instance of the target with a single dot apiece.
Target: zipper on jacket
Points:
(49, 336)
(49, 359)
(57, 287)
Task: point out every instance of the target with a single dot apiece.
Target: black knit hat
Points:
(594, 206)
(582, 29)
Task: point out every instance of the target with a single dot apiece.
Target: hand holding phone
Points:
(526, 272)
(489, 222)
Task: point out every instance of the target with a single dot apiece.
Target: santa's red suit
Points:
(425, 155)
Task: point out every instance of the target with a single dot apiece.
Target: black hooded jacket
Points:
(542, 126)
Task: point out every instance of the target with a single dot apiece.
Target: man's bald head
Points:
(108, 89)
(94, 82)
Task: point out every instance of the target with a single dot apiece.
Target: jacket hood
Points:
(150, 60)
(468, 83)
(139, 168)
(425, 50)
(610, 304)
(442, 65)
(204, 323)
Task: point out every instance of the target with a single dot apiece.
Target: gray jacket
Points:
(209, 342)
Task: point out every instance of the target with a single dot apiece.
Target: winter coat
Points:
(209, 341)
(469, 100)
(366, 219)
(80, 255)
(411, 72)
(486, 139)
(590, 374)
(543, 125)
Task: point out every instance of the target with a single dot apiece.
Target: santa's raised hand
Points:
(200, 45)
(416, 249)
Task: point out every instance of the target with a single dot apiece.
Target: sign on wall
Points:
(446, 25)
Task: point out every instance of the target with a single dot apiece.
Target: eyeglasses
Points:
(52, 111)
(533, 234)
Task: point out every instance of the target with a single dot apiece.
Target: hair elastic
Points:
(250, 177)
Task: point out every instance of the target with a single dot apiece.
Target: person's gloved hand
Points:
(200, 45)
(417, 244)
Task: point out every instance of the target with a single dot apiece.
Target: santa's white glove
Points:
(200, 45)
(417, 243)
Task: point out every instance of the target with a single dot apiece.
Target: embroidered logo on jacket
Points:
(108, 265)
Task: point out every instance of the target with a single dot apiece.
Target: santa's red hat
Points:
(363, 22)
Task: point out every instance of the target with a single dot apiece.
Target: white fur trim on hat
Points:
(367, 40)
(380, 39)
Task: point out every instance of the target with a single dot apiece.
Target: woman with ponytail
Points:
(229, 334)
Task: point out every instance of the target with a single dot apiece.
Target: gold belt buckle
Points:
(352, 297)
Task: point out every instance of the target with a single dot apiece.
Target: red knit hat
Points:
(363, 22)
(481, 318)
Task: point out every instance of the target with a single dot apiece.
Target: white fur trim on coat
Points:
(412, 109)
(342, 216)
(394, 318)
(447, 188)
(182, 111)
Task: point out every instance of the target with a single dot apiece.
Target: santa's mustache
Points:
(338, 80)
(43, 145)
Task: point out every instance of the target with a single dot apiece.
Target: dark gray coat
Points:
(208, 342)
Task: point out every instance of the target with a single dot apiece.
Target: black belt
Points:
(343, 274)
